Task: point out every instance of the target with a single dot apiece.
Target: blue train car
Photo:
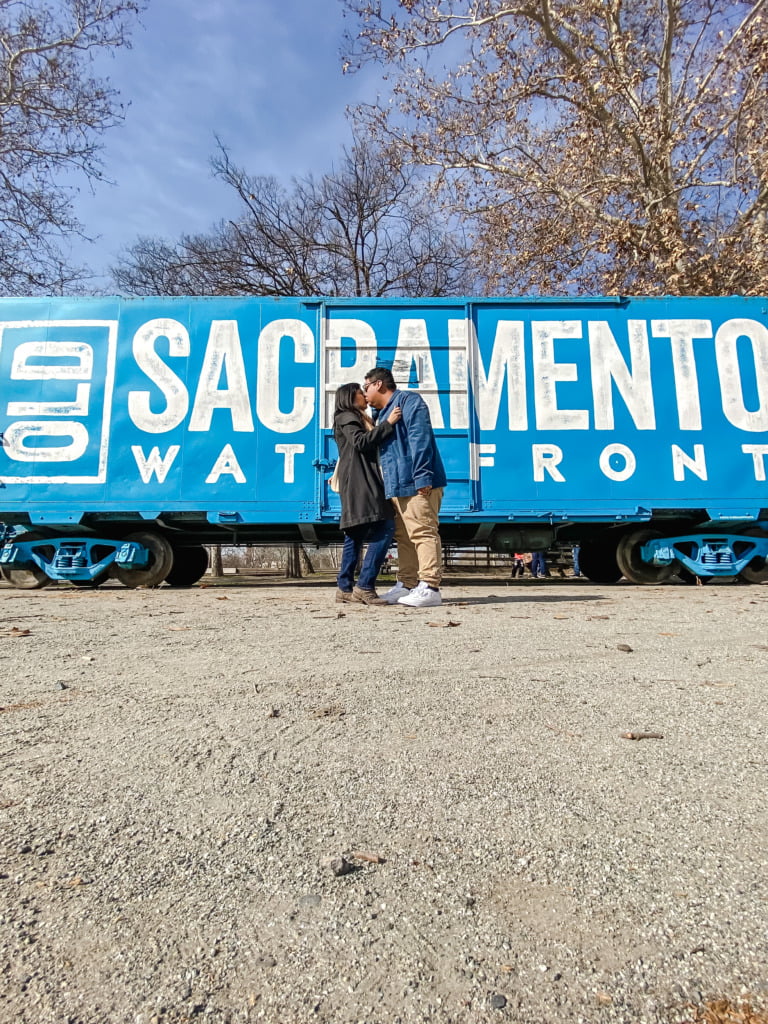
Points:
(136, 430)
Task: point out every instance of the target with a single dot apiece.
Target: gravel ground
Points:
(178, 767)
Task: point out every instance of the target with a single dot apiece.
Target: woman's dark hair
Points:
(345, 400)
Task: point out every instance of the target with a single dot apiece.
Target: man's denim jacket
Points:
(409, 458)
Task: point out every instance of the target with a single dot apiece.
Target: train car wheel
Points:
(160, 562)
(597, 561)
(632, 565)
(757, 570)
(189, 565)
(26, 579)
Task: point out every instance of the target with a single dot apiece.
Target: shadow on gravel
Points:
(530, 597)
(322, 580)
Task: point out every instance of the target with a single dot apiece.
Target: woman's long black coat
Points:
(360, 486)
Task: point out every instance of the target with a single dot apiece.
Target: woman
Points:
(366, 515)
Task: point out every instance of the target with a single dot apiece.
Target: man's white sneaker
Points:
(422, 596)
(393, 596)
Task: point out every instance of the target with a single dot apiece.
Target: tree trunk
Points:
(293, 562)
(307, 561)
(217, 568)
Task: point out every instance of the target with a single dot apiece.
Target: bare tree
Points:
(52, 112)
(367, 228)
(604, 145)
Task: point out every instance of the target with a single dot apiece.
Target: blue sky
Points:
(265, 75)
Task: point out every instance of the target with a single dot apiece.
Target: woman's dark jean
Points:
(379, 538)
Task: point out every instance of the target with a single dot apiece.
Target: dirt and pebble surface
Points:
(185, 772)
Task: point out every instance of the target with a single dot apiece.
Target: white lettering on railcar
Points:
(682, 334)
(728, 370)
(223, 355)
(268, 381)
(79, 368)
(681, 461)
(154, 464)
(758, 453)
(333, 373)
(546, 459)
(413, 348)
(289, 451)
(624, 454)
(173, 389)
(79, 407)
(507, 362)
(226, 463)
(15, 436)
(636, 372)
(609, 369)
(548, 373)
(62, 390)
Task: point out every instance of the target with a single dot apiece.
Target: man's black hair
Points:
(384, 375)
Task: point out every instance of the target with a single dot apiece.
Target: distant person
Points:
(518, 566)
(414, 479)
(366, 514)
(538, 565)
(576, 567)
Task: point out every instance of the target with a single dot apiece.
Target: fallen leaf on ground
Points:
(15, 631)
(22, 706)
(442, 625)
(178, 629)
(642, 736)
(723, 1011)
(371, 858)
(624, 647)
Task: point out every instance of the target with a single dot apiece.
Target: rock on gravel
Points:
(164, 831)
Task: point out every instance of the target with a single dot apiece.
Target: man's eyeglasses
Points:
(368, 384)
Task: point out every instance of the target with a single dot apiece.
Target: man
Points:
(414, 479)
(539, 565)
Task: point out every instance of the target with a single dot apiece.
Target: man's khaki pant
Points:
(419, 551)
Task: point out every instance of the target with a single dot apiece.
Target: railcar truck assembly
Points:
(136, 431)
